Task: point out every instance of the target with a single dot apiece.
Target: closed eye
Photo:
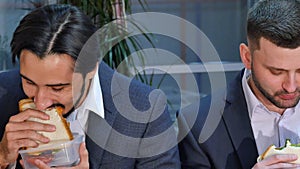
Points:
(29, 82)
(276, 72)
(57, 89)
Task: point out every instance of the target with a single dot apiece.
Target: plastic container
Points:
(54, 155)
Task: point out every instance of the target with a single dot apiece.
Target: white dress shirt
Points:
(270, 127)
(93, 102)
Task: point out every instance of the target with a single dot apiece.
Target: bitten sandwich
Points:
(287, 149)
(62, 133)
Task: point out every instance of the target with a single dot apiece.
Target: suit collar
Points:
(238, 124)
(109, 90)
(98, 135)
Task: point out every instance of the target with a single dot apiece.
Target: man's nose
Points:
(290, 85)
(42, 99)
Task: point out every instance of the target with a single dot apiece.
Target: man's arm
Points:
(160, 140)
(191, 154)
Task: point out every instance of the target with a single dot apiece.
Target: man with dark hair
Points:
(55, 70)
(261, 106)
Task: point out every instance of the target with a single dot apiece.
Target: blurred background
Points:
(222, 21)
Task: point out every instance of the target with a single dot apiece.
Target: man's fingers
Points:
(17, 144)
(29, 125)
(27, 114)
(279, 158)
(40, 164)
(22, 163)
(84, 156)
(284, 165)
(277, 161)
(28, 134)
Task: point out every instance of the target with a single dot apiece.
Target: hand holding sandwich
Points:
(19, 132)
(278, 161)
(280, 157)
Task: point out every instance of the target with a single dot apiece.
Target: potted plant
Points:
(103, 12)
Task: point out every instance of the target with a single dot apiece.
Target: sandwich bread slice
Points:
(289, 148)
(62, 133)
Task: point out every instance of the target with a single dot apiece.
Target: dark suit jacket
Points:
(103, 143)
(222, 136)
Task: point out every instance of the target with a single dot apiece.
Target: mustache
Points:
(56, 105)
(285, 92)
(53, 105)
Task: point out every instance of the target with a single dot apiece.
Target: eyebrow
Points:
(274, 68)
(270, 67)
(49, 85)
(279, 69)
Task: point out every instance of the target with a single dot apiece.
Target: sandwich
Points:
(62, 133)
(289, 148)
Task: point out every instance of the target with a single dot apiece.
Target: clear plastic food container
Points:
(58, 154)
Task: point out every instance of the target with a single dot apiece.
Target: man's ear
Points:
(245, 55)
(91, 74)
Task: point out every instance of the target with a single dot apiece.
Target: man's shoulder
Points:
(10, 90)
(116, 86)
(112, 78)
(195, 115)
(9, 73)
(211, 107)
(10, 78)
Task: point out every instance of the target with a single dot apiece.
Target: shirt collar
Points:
(252, 101)
(94, 100)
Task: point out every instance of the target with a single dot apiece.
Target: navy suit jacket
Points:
(222, 136)
(103, 143)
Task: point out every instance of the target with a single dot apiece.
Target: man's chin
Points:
(285, 104)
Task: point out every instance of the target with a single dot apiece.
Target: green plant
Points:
(103, 12)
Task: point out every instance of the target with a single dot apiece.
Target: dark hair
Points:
(275, 20)
(54, 29)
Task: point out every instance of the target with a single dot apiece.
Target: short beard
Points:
(82, 92)
(269, 96)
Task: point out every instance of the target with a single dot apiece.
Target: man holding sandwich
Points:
(261, 105)
(54, 71)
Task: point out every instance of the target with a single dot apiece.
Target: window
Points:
(224, 24)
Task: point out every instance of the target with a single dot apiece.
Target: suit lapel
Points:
(99, 129)
(97, 135)
(238, 125)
